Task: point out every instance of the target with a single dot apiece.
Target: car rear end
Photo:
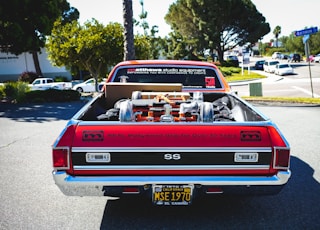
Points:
(170, 142)
(170, 163)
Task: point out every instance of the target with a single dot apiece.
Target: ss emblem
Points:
(172, 156)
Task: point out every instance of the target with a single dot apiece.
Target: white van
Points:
(269, 66)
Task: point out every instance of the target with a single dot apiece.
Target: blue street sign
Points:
(311, 30)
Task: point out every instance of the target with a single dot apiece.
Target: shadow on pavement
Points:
(295, 207)
(40, 112)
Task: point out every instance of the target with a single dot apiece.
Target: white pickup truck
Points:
(48, 83)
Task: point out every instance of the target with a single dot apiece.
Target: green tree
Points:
(183, 42)
(129, 51)
(25, 24)
(217, 24)
(315, 43)
(142, 16)
(155, 42)
(293, 44)
(180, 47)
(277, 32)
(142, 47)
(93, 46)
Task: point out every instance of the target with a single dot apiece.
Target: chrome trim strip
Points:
(94, 185)
(169, 149)
(215, 123)
(220, 192)
(130, 192)
(169, 167)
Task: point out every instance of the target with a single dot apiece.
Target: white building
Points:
(11, 66)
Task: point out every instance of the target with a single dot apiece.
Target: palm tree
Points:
(277, 32)
(129, 53)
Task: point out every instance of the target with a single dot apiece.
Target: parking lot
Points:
(296, 85)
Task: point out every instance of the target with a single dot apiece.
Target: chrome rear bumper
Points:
(95, 185)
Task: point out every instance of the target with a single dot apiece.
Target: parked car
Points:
(283, 69)
(75, 82)
(310, 58)
(88, 86)
(285, 56)
(233, 59)
(269, 66)
(259, 65)
(317, 58)
(277, 55)
(44, 83)
(294, 58)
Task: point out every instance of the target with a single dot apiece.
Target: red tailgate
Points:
(167, 135)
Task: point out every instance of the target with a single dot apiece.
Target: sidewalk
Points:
(276, 86)
(269, 78)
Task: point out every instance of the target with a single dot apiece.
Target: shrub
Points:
(15, 91)
(2, 94)
(231, 63)
(52, 95)
(22, 88)
(228, 71)
(271, 50)
(28, 77)
(60, 79)
(235, 70)
(20, 92)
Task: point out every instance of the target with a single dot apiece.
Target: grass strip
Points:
(301, 100)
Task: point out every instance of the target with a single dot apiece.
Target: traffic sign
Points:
(311, 30)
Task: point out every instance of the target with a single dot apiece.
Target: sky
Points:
(290, 15)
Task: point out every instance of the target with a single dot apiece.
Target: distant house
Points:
(11, 66)
(276, 44)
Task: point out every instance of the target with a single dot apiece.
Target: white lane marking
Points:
(306, 91)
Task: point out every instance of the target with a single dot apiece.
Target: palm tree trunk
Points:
(129, 52)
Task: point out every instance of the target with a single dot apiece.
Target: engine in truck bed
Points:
(169, 107)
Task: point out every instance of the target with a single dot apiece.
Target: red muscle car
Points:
(170, 130)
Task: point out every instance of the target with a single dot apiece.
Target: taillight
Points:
(281, 158)
(61, 149)
(60, 157)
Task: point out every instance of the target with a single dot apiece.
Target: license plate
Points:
(172, 194)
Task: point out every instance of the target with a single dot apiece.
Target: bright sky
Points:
(290, 15)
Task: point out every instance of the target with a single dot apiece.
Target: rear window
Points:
(284, 66)
(273, 62)
(189, 77)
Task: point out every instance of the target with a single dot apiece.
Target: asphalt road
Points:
(304, 83)
(30, 199)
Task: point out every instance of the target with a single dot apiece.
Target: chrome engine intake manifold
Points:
(165, 107)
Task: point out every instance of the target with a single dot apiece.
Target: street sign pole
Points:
(307, 55)
(306, 35)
